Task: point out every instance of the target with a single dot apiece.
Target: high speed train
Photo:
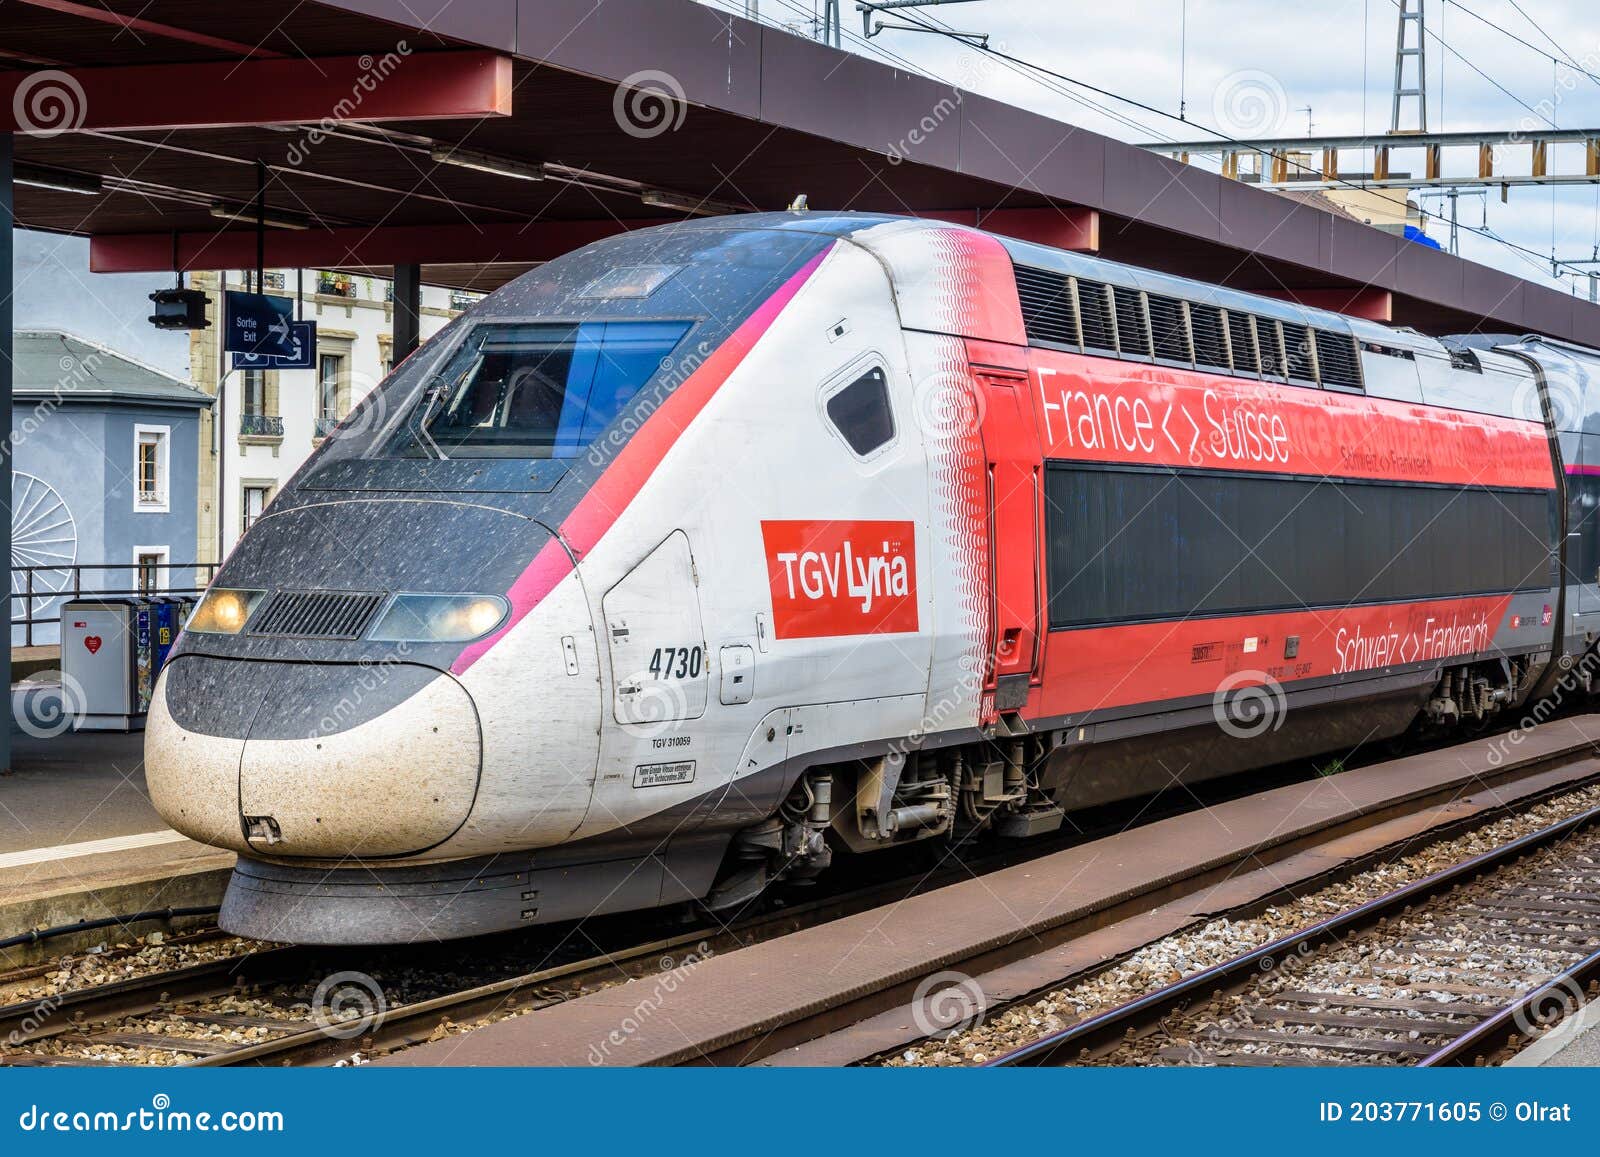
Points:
(712, 553)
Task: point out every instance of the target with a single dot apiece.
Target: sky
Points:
(1252, 67)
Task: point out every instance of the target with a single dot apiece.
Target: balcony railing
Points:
(334, 285)
(252, 425)
(324, 427)
(37, 592)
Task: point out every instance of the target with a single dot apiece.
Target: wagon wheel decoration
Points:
(43, 535)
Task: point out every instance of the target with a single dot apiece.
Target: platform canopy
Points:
(478, 138)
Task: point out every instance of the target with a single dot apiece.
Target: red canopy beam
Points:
(351, 247)
(395, 85)
(1062, 227)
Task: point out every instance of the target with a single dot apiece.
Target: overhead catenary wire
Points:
(888, 56)
(1566, 58)
(1225, 139)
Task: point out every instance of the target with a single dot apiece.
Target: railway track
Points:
(261, 1008)
(270, 1006)
(1461, 967)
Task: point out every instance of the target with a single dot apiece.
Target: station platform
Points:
(79, 840)
(1012, 929)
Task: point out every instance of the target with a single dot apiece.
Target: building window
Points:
(150, 449)
(255, 392)
(256, 497)
(330, 369)
(150, 567)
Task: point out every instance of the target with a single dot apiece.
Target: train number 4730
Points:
(677, 662)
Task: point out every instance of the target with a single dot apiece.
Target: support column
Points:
(7, 288)
(407, 310)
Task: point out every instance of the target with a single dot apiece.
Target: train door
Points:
(1014, 483)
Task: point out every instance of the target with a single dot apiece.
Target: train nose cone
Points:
(396, 783)
(333, 760)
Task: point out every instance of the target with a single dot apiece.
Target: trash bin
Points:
(102, 641)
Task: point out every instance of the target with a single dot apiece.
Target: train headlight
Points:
(440, 618)
(224, 611)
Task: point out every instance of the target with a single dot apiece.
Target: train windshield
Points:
(535, 390)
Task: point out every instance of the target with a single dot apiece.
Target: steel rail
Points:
(1099, 1030)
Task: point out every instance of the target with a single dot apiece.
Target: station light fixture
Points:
(688, 203)
(488, 163)
(56, 180)
(246, 215)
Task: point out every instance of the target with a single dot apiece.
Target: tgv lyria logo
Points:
(841, 577)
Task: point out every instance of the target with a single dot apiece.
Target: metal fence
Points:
(40, 590)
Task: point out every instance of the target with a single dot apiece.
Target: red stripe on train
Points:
(1104, 410)
(1092, 668)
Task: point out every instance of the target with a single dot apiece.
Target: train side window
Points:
(861, 413)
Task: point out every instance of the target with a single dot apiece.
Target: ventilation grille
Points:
(1338, 361)
(1094, 311)
(1166, 327)
(1246, 358)
(1210, 349)
(1046, 306)
(1131, 329)
(1270, 342)
(1297, 345)
(317, 614)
